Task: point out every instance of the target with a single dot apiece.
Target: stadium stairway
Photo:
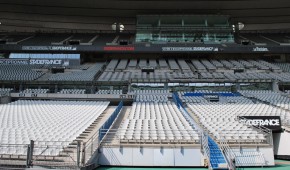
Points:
(217, 159)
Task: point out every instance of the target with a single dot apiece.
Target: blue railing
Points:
(184, 112)
(106, 126)
(177, 100)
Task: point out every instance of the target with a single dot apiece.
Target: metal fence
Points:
(141, 136)
(50, 154)
(110, 121)
(13, 155)
(90, 147)
(54, 154)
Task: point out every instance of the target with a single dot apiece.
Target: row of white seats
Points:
(134, 64)
(80, 75)
(50, 121)
(156, 121)
(274, 98)
(160, 91)
(155, 98)
(36, 91)
(72, 91)
(5, 91)
(220, 118)
(109, 92)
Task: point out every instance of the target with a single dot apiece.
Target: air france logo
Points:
(261, 122)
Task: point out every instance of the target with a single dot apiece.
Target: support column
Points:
(55, 88)
(275, 86)
(165, 86)
(93, 90)
(20, 87)
(182, 24)
(238, 86)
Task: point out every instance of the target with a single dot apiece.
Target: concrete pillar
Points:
(238, 86)
(275, 86)
(93, 90)
(20, 87)
(55, 88)
(165, 86)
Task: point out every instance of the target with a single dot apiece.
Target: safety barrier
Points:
(104, 129)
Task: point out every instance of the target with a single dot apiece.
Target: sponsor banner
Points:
(201, 49)
(33, 62)
(45, 62)
(270, 122)
(49, 48)
(118, 48)
(14, 61)
(260, 49)
(211, 97)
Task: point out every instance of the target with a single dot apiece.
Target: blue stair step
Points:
(216, 156)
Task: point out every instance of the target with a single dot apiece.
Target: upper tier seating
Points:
(109, 92)
(122, 64)
(138, 75)
(52, 121)
(72, 91)
(5, 91)
(152, 95)
(183, 65)
(36, 91)
(196, 69)
(85, 75)
(112, 65)
(151, 92)
(19, 73)
(283, 66)
(154, 98)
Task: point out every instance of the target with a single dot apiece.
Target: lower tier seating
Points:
(156, 122)
(51, 121)
(221, 118)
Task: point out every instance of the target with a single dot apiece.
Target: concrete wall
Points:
(281, 143)
(248, 156)
(151, 156)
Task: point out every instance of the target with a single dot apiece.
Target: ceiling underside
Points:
(93, 15)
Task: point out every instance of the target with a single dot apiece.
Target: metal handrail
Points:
(204, 140)
(206, 149)
(118, 137)
(228, 153)
(262, 129)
